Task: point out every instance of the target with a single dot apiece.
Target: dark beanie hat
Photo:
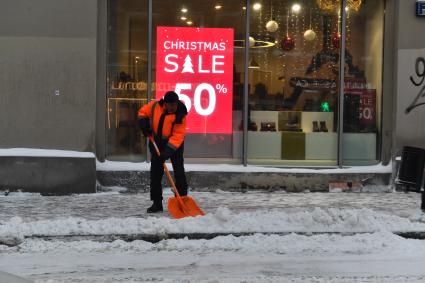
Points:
(171, 97)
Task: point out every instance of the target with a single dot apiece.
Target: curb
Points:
(155, 238)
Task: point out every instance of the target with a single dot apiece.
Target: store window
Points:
(198, 52)
(293, 84)
(294, 79)
(363, 83)
(126, 78)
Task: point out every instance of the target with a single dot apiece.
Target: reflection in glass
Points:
(202, 14)
(126, 78)
(293, 71)
(295, 85)
(363, 83)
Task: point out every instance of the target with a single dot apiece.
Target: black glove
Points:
(166, 153)
(145, 126)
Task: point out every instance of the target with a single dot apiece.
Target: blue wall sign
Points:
(420, 8)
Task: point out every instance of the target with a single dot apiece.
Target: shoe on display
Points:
(252, 126)
(315, 126)
(293, 124)
(323, 127)
(268, 127)
(155, 207)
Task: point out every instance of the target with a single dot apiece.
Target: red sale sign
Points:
(367, 109)
(197, 63)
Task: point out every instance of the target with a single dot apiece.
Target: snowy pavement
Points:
(114, 213)
(364, 250)
(31, 207)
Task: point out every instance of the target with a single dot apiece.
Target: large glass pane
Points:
(363, 82)
(293, 82)
(126, 78)
(198, 52)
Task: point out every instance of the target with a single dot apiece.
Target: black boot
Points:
(155, 207)
(323, 127)
(315, 126)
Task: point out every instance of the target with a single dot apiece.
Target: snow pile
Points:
(222, 221)
(38, 152)
(212, 278)
(145, 166)
(292, 244)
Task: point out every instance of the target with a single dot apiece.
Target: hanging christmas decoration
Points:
(287, 43)
(336, 40)
(272, 26)
(309, 34)
(331, 6)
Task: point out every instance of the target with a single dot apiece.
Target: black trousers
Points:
(157, 171)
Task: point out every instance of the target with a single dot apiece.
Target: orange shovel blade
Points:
(189, 207)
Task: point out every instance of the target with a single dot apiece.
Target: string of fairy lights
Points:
(295, 29)
(291, 28)
(300, 32)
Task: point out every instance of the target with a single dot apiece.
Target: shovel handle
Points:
(173, 185)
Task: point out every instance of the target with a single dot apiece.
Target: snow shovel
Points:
(179, 206)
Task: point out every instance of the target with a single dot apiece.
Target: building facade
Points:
(76, 72)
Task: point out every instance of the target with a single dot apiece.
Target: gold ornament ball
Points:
(309, 35)
(272, 26)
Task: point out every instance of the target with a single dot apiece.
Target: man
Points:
(166, 121)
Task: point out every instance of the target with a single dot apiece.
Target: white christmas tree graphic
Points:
(187, 66)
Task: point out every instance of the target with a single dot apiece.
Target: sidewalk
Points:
(34, 207)
(113, 215)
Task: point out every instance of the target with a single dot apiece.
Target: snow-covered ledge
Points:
(145, 166)
(38, 152)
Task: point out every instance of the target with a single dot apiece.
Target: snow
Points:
(373, 254)
(376, 257)
(37, 152)
(292, 244)
(283, 245)
(221, 221)
(145, 166)
(124, 166)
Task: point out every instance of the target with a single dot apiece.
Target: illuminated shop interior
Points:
(292, 92)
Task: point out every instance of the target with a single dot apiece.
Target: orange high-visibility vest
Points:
(171, 131)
